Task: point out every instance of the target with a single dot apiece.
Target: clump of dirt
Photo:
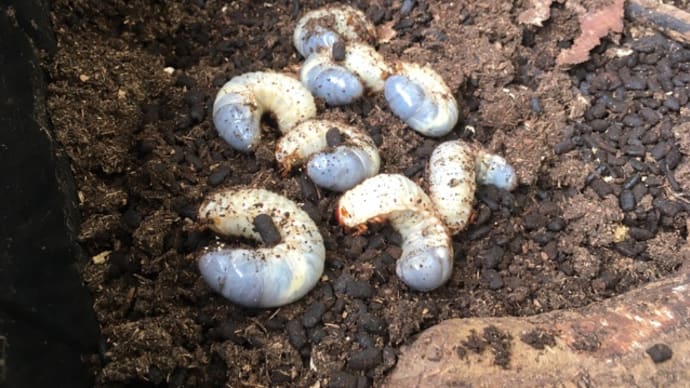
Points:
(131, 89)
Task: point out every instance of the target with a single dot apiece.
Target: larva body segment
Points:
(452, 182)
(267, 276)
(419, 96)
(427, 258)
(367, 64)
(337, 167)
(320, 29)
(340, 83)
(241, 102)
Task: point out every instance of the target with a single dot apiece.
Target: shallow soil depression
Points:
(600, 149)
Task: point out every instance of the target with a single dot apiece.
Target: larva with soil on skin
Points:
(419, 97)
(340, 83)
(427, 258)
(266, 276)
(336, 167)
(453, 171)
(241, 102)
(320, 29)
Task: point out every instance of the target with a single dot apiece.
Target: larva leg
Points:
(337, 167)
(320, 29)
(427, 259)
(263, 277)
(241, 102)
(420, 97)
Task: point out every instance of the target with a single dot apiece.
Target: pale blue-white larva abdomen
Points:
(492, 169)
(241, 102)
(320, 29)
(340, 83)
(340, 169)
(266, 276)
(333, 83)
(337, 167)
(426, 262)
(420, 97)
(237, 123)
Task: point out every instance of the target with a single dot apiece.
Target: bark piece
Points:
(594, 25)
(603, 344)
(671, 21)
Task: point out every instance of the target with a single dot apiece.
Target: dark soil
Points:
(600, 210)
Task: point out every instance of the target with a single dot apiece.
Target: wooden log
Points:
(671, 21)
(607, 344)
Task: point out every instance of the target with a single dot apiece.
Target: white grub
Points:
(340, 83)
(419, 96)
(266, 276)
(321, 28)
(451, 182)
(241, 102)
(337, 168)
(427, 258)
(454, 170)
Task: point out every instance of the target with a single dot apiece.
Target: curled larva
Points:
(340, 83)
(420, 97)
(266, 276)
(241, 102)
(336, 167)
(454, 169)
(321, 28)
(427, 258)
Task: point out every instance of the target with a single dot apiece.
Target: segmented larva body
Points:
(321, 28)
(454, 169)
(241, 102)
(427, 258)
(419, 97)
(267, 276)
(340, 83)
(337, 167)
(452, 183)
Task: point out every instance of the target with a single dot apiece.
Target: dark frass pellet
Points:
(296, 334)
(660, 353)
(338, 51)
(333, 137)
(365, 359)
(626, 200)
(313, 314)
(263, 224)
